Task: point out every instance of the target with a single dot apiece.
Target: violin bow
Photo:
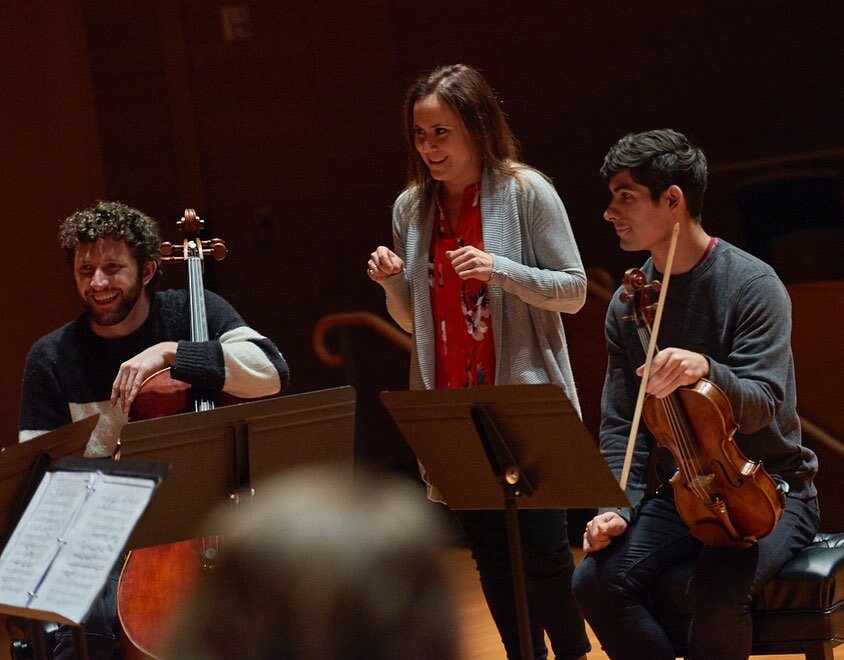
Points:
(640, 399)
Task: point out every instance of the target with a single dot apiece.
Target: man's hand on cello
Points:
(135, 371)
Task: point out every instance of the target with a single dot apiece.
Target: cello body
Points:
(158, 581)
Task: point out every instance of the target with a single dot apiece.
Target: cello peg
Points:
(217, 248)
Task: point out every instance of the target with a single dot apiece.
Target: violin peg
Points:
(218, 248)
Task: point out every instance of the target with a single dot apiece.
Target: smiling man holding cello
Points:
(741, 506)
(129, 331)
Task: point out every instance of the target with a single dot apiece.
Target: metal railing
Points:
(599, 283)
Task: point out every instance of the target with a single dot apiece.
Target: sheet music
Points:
(67, 541)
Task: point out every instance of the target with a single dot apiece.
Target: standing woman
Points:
(484, 261)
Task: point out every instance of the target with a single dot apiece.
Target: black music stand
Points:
(22, 467)
(79, 527)
(221, 455)
(485, 447)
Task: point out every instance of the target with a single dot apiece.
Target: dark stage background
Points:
(287, 138)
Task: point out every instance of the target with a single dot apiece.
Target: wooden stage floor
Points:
(479, 638)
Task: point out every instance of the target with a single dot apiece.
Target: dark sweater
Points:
(69, 372)
(733, 309)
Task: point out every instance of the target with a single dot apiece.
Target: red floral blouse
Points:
(465, 352)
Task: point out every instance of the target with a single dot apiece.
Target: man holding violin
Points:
(725, 319)
(97, 363)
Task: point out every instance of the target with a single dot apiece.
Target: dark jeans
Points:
(548, 570)
(610, 585)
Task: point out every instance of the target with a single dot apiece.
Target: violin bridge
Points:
(701, 481)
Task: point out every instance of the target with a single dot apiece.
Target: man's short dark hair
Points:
(658, 159)
(113, 220)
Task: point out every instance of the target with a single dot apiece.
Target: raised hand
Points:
(383, 263)
(471, 263)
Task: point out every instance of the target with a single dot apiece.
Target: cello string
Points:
(199, 323)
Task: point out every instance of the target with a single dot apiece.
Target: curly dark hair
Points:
(658, 159)
(114, 220)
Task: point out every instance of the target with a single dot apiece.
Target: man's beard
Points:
(106, 318)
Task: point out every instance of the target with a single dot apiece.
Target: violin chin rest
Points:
(715, 535)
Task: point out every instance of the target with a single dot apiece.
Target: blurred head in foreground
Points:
(324, 566)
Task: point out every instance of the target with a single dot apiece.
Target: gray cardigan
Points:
(537, 273)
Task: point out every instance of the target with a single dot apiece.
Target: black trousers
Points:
(611, 585)
(548, 570)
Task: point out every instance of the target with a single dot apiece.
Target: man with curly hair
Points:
(128, 331)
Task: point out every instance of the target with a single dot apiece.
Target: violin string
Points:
(682, 459)
(686, 450)
(680, 425)
(688, 455)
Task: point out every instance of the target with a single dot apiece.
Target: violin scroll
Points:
(638, 294)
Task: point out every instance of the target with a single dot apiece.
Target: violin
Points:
(726, 499)
(157, 581)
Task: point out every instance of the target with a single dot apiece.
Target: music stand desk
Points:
(506, 447)
(221, 455)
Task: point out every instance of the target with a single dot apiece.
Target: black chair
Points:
(801, 609)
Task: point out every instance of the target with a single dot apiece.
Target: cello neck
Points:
(193, 252)
(196, 294)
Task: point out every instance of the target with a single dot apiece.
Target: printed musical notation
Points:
(72, 533)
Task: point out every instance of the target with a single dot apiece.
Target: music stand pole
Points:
(38, 639)
(513, 484)
(80, 642)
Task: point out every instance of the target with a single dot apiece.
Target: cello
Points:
(157, 581)
(726, 499)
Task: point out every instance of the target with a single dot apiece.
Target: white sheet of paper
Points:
(67, 541)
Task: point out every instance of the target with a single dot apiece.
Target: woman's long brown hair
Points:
(469, 94)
